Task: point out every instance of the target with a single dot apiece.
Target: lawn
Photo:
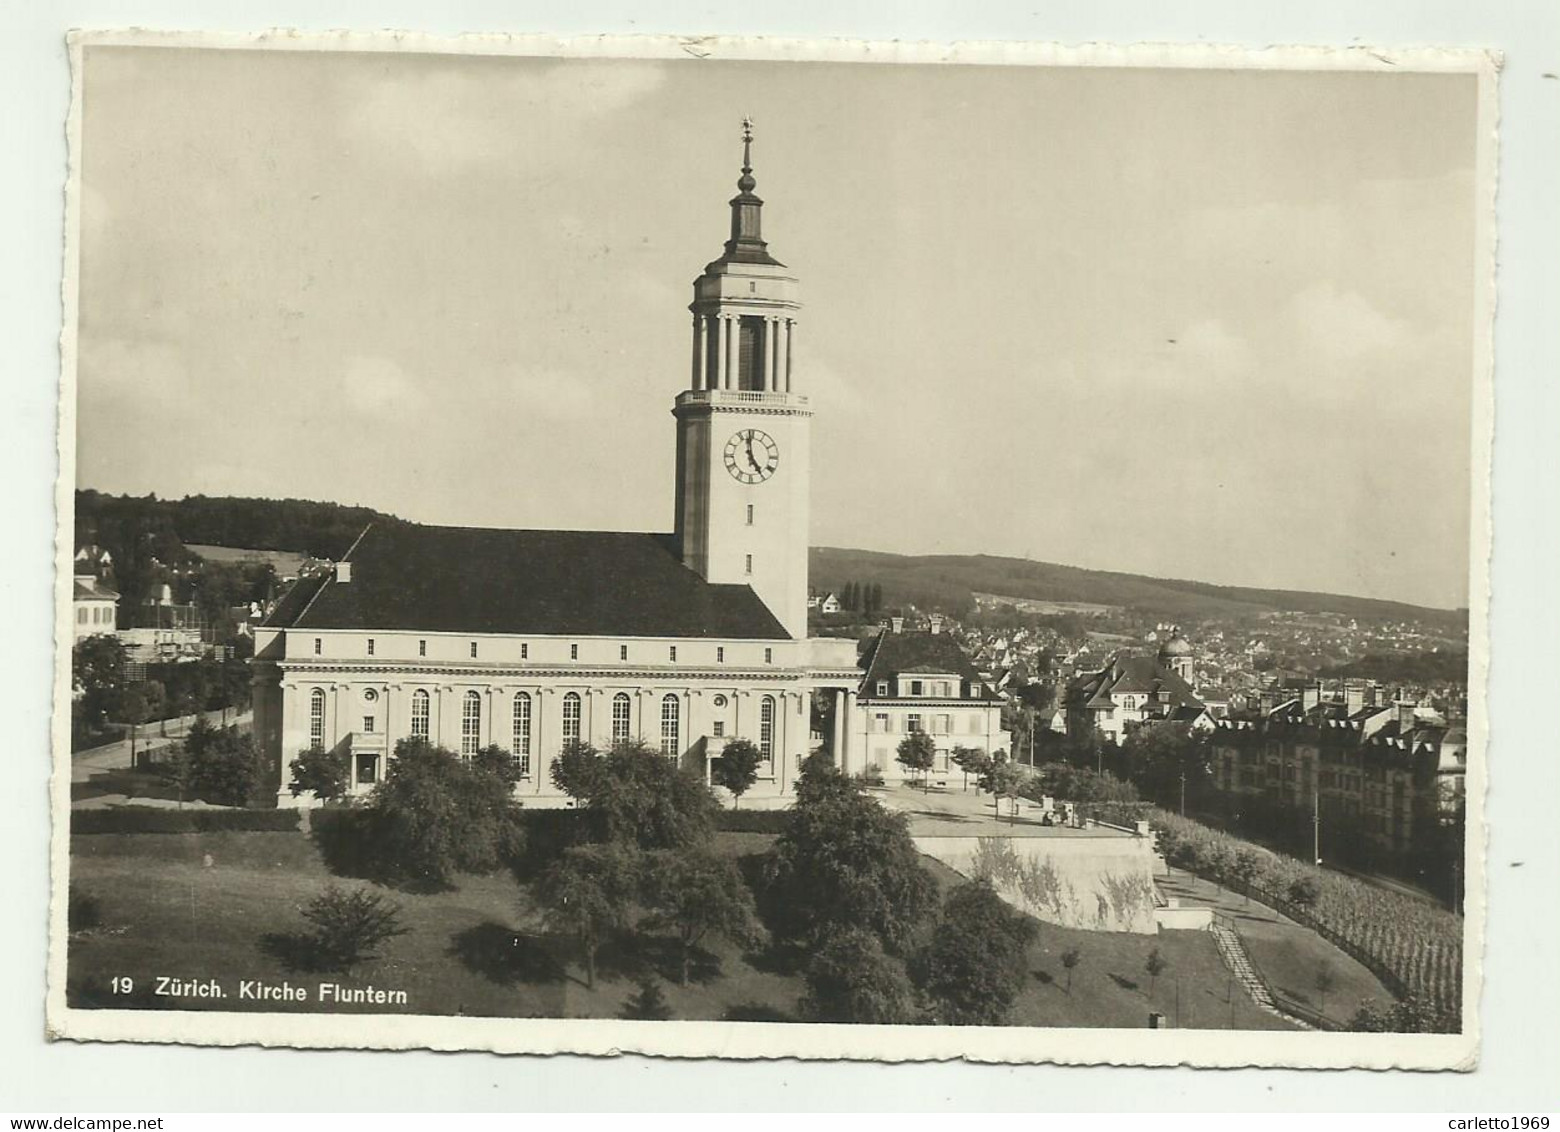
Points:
(201, 906)
(1287, 954)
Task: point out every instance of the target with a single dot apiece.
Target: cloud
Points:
(451, 117)
(1343, 328)
(380, 387)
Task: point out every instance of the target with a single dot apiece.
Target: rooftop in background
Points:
(479, 580)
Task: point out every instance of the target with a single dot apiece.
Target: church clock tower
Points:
(742, 430)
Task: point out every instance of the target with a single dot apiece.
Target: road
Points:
(116, 756)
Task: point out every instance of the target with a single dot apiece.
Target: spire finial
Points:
(746, 182)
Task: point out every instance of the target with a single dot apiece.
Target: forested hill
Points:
(949, 582)
(135, 529)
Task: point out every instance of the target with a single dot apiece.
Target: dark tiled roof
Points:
(1137, 675)
(477, 580)
(893, 653)
(90, 588)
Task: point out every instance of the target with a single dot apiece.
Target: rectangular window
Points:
(622, 652)
(750, 514)
(718, 729)
(368, 725)
(371, 646)
(769, 656)
(574, 652)
(915, 687)
(912, 723)
(748, 566)
(944, 725)
(881, 722)
(671, 653)
(318, 644)
(422, 648)
(882, 687)
(720, 654)
(473, 650)
(81, 616)
(525, 651)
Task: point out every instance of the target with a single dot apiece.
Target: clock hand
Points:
(752, 459)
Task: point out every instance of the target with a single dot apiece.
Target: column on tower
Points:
(733, 347)
(785, 378)
(717, 380)
(698, 352)
(772, 354)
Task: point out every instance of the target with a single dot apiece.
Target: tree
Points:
(642, 797)
(917, 753)
(496, 761)
(587, 892)
(875, 597)
(434, 816)
(325, 773)
(1157, 755)
(851, 979)
(1244, 867)
(971, 760)
(1005, 780)
(177, 769)
(226, 767)
(348, 926)
(97, 669)
(696, 894)
(1155, 965)
(975, 963)
(648, 1003)
(1304, 892)
(1325, 981)
(1070, 959)
(843, 861)
(576, 770)
(737, 768)
(136, 708)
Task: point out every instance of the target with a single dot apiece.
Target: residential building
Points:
(95, 607)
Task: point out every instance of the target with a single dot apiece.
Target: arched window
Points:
(571, 717)
(671, 726)
(620, 717)
(470, 725)
(420, 714)
(317, 718)
(521, 751)
(766, 728)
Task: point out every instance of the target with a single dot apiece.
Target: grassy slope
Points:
(166, 911)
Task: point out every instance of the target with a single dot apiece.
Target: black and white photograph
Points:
(725, 548)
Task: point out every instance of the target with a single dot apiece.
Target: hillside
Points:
(135, 529)
(949, 581)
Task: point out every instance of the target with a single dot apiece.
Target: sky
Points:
(1186, 323)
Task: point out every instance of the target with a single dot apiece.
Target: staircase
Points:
(1233, 952)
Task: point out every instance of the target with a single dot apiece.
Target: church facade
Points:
(529, 640)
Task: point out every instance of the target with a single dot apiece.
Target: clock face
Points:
(752, 456)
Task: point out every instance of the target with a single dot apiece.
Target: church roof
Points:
(565, 583)
(893, 653)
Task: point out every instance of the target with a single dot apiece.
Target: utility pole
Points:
(1316, 821)
(1183, 792)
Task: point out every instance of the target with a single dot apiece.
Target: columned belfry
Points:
(742, 429)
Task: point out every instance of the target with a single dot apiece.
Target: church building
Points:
(529, 639)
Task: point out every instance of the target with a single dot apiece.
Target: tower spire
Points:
(747, 242)
(746, 182)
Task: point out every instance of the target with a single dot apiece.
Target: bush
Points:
(648, 1003)
(642, 798)
(348, 926)
(147, 819)
(82, 910)
(851, 979)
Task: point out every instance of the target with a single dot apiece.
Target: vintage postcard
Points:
(750, 548)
